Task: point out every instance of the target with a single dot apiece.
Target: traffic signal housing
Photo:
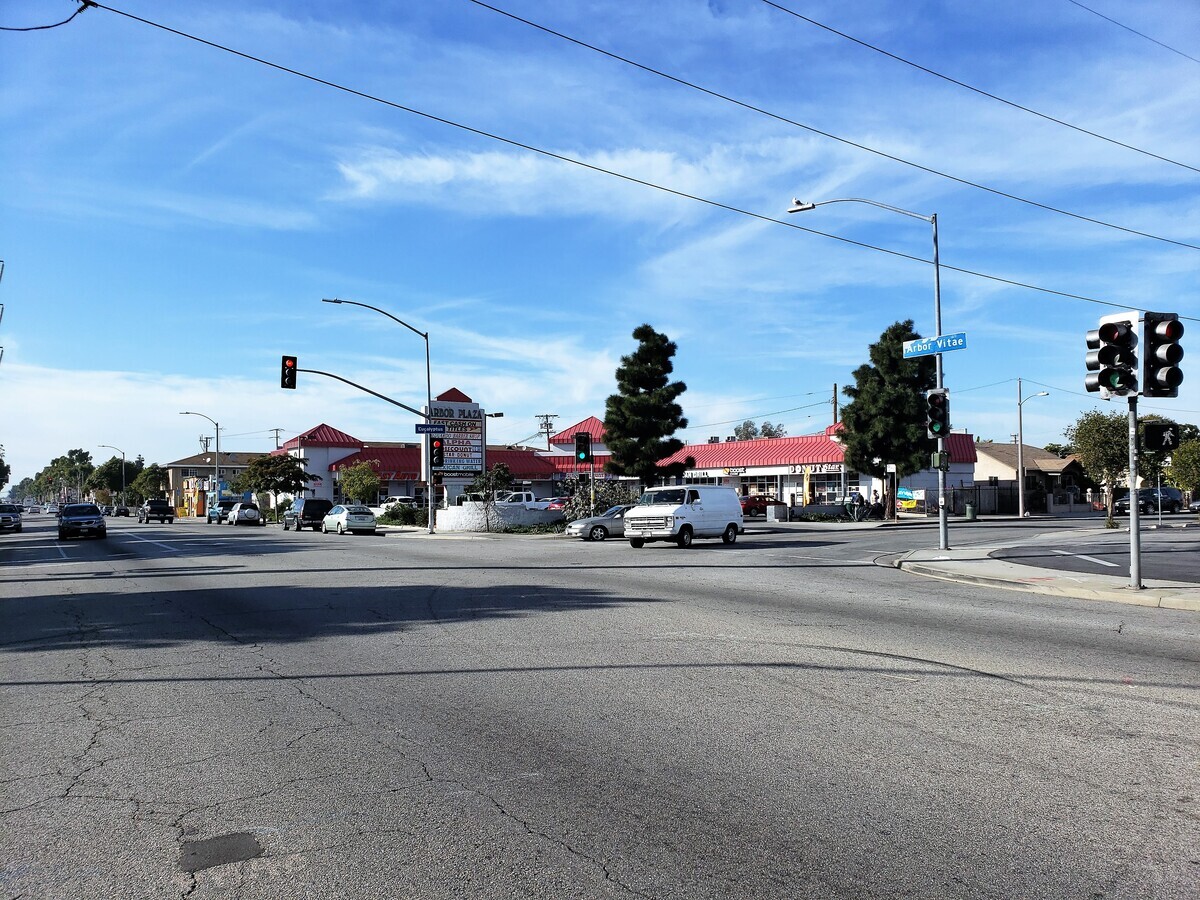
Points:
(287, 373)
(1161, 375)
(437, 452)
(583, 447)
(937, 412)
(1111, 361)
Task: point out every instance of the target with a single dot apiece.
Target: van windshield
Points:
(673, 497)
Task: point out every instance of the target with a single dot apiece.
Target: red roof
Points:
(567, 465)
(454, 395)
(784, 451)
(961, 448)
(591, 425)
(322, 436)
(394, 463)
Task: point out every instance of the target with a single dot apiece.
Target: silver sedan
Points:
(597, 528)
(343, 518)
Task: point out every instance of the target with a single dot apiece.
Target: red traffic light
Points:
(287, 373)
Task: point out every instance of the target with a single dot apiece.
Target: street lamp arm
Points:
(803, 206)
(382, 312)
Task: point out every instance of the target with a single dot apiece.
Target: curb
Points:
(1161, 595)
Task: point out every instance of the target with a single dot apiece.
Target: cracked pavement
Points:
(544, 718)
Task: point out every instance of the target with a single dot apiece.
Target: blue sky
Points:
(171, 215)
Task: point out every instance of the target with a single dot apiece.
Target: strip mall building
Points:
(797, 470)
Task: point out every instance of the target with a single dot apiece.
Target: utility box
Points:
(777, 512)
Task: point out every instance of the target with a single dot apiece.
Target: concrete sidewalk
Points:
(976, 566)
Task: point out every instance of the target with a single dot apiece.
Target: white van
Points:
(684, 512)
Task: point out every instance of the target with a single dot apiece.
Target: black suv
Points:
(308, 511)
(78, 519)
(1148, 501)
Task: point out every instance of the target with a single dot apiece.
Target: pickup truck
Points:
(156, 509)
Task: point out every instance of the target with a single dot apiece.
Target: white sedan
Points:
(354, 519)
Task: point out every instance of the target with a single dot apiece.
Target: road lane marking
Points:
(148, 541)
(1091, 559)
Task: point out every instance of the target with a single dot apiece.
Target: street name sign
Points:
(428, 428)
(940, 344)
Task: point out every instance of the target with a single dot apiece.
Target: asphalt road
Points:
(206, 711)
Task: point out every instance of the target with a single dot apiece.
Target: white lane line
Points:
(148, 541)
(1091, 559)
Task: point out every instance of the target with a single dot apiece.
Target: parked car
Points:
(555, 502)
(1194, 506)
(306, 512)
(357, 519)
(756, 504)
(79, 519)
(402, 501)
(219, 511)
(599, 528)
(10, 517)
(1149, 500)
(245, 513)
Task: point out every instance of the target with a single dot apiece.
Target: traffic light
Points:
(583, 447)
(937, 412)
(1161, 375)
(287, 373)
(1112, 364)
(437, 452)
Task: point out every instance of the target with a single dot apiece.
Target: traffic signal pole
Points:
(1135, 511)
(943, 513)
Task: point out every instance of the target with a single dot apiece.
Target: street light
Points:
(428, 392)
(122, 452)
(216, 485)
(1021, 448)
(801, 206)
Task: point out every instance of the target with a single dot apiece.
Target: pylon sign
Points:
(1111, 361)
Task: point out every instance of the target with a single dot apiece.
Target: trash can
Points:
(970, 512)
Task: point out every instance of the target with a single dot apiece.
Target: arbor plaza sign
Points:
(463, 437)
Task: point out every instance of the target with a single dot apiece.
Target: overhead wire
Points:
(716, 204)
(1134, 31)
(980, 91)
(84, 4)
(833, 137)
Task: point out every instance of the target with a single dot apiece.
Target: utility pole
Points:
(547, 428)
(277, 431)
(835, 404)
(204, 439)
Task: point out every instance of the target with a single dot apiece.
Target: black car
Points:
(306, 512)
(1148, 500)
(77, 519)
(156, 509)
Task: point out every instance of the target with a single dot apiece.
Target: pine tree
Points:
(642, 417)
(885, 419)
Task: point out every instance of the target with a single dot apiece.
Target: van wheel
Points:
(730, 534)
(298, 525)
(598, 533)
(286, 527)
(637, 543)
(685, 537)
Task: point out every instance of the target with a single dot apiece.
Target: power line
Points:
(980, 91)
(84, 5)
(628, 178)
(1134, 31)
(833, 137)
